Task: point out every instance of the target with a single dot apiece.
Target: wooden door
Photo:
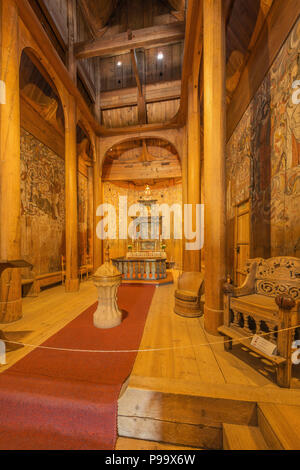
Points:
(242, 241)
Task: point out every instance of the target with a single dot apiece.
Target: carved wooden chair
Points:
(267, 304)
(189, 300)
(86, 268)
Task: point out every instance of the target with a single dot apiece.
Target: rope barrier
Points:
(235, 341)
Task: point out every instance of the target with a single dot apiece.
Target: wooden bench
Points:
(35, 283)
(267, 304)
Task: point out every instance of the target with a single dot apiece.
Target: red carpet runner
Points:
(68, 400)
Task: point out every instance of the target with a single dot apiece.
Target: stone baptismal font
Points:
(107, 279)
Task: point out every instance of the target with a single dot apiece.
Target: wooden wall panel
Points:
(32, 122)
(84, 34)
(58, 10)
(162, 111)
(120, 117)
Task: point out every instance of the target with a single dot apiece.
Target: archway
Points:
(131, 165)
(42, 173)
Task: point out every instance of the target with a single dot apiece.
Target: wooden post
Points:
(288, 320)
(97, 186)
(214, 161)
(193, 166)
(90, 225)
(97, 105)
(184, 163)
(192, 172)
(10, 196)
(72, 37)
(72, 281)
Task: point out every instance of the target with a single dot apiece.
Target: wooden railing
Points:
(141, 269)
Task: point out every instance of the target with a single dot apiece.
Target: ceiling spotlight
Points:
(119, 63)
(160, 56)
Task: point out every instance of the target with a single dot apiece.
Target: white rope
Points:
(238, 341)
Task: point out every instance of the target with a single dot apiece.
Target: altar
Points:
(146, 259)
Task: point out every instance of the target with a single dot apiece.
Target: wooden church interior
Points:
(192, 100)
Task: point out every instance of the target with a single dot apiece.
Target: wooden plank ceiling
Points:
(144, 160)
(130, 54)
(127, 46)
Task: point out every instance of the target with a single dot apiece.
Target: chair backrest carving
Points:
(276, 276)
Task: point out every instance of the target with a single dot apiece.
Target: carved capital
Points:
(285, 302)
(228, 288)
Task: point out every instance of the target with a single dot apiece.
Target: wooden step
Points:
(174, 432)
(124, 443)
(236, 437)
(280, 425)
(149, 411)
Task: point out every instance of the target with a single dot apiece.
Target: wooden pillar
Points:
(72, 281)
(97, 105)
(193, 165)
(184, 166)
(72, 37)
(90, 227)
(97, 186)
(10, 196)
(214, 161)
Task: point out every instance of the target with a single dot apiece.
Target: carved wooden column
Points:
(214, 161)
(10, 196)
(72, 281)
(97, 187)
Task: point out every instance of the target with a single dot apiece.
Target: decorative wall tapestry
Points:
(82, 218)
(263, 158)
(42, 205)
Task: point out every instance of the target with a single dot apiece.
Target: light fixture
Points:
(160, 56)
(119, 63)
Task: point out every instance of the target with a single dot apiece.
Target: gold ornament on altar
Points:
(147, 192)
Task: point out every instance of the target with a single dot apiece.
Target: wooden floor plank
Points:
(125, 443)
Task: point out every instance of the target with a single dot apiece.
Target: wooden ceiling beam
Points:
(141, 170)
(192, 49)
(142, 108)
(120, 131)
(136, 71)
(162, 91)
(124, 42)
